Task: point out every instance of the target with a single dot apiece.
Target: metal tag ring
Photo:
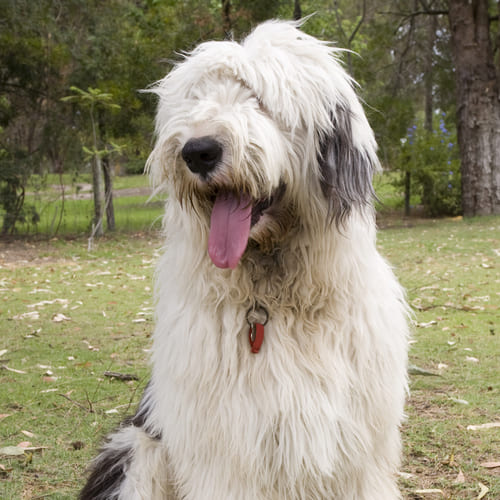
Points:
(255, 314)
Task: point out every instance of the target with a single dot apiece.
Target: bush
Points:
(431, 159)
(14, 173)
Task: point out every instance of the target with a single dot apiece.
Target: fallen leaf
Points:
(91, 347)
(59, 318)
(431, 490)
(459, 401)
(4, 415)
(24, 444)
(471, 359)
(426, 325)
(3, 351)
(5, 367)
(482, 493)
(415, 370)
(48, 302)
(460, 478)
(481, 427)
(28, 434)
(11, 451)
(406, 475)
(28, 315)
(490, 465)
(36, 448)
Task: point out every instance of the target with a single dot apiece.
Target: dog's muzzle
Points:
(202, 155)
(233, 213)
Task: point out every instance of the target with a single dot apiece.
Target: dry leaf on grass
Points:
(460, 479)
(426, 325)
(59, 318)
(416, 370)
(27, 315)
(5, 367)
(480, 427)
(471, 359)
(11, 451)
(43, 303)
(490, 465)
(482, 493)
(459, 401)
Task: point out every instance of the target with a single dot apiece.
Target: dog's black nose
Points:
(202, 154)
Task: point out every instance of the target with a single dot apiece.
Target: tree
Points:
(35, 131)
(95, 101)
(478, 110)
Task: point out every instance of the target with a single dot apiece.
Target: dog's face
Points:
(228, 160)
(258, 138)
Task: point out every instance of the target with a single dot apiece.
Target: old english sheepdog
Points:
(280, 349)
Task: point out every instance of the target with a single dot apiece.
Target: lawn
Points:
(67, 209)
(67, 316)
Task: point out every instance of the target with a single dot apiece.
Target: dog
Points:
(279, 359)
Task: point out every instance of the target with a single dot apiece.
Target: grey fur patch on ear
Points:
(346, 171)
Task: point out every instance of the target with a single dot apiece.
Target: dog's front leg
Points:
(133, 464)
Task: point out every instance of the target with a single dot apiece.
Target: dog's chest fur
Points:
(281, 421)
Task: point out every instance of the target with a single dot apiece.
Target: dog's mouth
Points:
(233, 216)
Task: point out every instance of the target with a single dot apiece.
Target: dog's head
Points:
(260, 138)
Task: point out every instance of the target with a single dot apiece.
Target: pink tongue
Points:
(229, 229)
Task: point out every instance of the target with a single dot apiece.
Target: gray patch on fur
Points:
(346, 171)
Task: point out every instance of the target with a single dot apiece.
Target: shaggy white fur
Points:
(267, 157)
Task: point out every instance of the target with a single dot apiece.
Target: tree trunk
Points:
(428, 91)
(108, 193)
(226, 17)
(98, 198)
(478, 109)
(108, 175)
(407, 193)
(297, 11)
(429, 72)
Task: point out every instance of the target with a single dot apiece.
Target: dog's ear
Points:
(346, 167)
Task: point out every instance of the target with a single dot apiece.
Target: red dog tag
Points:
(256, 336)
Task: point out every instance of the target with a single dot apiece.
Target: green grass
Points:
(450, 269)
(107, 297)
(71, 215)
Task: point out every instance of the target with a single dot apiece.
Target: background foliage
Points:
(401, 60)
